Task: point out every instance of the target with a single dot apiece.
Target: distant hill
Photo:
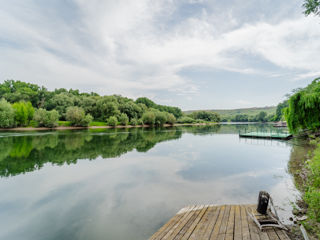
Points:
(229, 113)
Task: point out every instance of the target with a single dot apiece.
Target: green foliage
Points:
(7, 114)
(160, 118)
(185, 119)
(311, 7)
(77, 117)
(134, 122)
(64, 123)
(303, 112)
(123, 119)
(149, 118)
(206, 116)
(97, 124)
(99, 107)
(280, 110)
(23, 113)
(140, 121)
(112, 121)
(171, 118)
(45, 118)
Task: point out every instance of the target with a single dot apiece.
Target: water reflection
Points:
(139, 178)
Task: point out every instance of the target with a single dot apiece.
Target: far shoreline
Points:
(101, 127)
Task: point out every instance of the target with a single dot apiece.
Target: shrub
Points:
(149, 118)
(134, 122)
(112, 121)
(160, 118)
(171, 118)
(77, 117)
(123, 119)
(45, 118)
(185, 120)
(23, 113)
(140, 122)
(6, 114)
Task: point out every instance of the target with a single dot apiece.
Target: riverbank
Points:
(100, 127)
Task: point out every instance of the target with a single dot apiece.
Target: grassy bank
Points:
(305, 168)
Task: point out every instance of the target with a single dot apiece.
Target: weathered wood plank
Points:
(194, 224)
(176, 228)
(244, 224)
(230, 226)
(215, 211)
(202, 225)
(224, 224)
(272, 234)
(282, 234)
(187, 225)
(254, 230)
(237, 224)
(165, 228)
(215, 231)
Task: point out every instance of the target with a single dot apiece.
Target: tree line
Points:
(25, 104)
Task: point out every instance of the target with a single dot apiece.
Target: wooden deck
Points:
(207, 222)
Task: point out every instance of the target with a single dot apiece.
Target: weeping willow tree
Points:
(303, 112)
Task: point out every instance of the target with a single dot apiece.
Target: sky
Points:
(195, 54)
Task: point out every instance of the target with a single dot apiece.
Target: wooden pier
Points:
(268, 135)
(208, 222)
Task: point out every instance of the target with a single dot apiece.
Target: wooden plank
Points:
(215, 231)
(237, 222)
(203, 224)
(282, 234)
(230, 226)
(253, 228)
(166, 227)
(244, 224)
(215, 212)
(176, 228)
(224, 224)
(187, 225)
(194, 224)
(272, 234)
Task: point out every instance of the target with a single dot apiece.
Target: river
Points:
(126, 183)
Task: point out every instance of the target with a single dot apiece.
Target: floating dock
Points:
(268, 135)
(208, 222)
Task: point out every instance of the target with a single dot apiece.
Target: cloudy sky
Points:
(196, 54)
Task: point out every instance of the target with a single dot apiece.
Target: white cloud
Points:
(128, 47)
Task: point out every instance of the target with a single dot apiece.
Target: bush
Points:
(134, 122)
(171, 118)
(160, 118)
(6, 114)
(123, 119)
(186, 120)
(140, 122)
(77, 117)
(45, 118)
(149, 118)
(112, 121)
(23, 113)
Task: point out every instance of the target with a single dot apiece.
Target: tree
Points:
(23, 113)
(149, 118)
(261, 116)
(45, 118)
(123, 119)
(160, 118)
(311, 7)
(303, 112)
(171, 118)
(112, 121)
(279, 112)
(77, 117)
(6, 114)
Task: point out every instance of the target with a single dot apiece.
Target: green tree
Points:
(171, 118)
(112, 121)
(23, 113)
(123, 119)
(45, 118)
(149, 118)
(280, 110)
(77, 117)
(6, 114)
(160, 118)
(311, 7)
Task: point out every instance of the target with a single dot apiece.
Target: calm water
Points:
(126, 183)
